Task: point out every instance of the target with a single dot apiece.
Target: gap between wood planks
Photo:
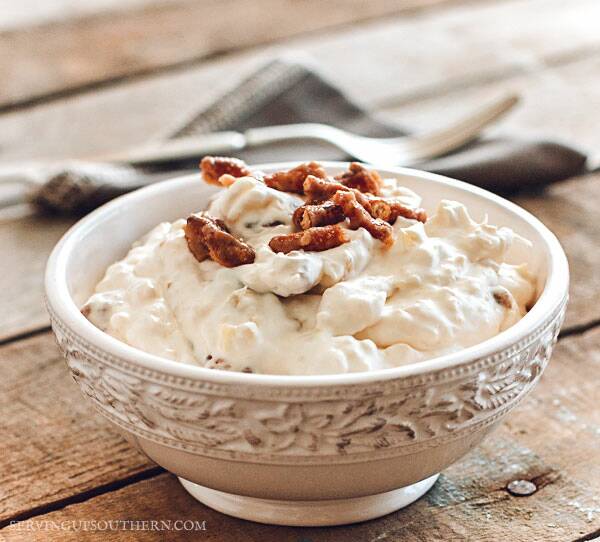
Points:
(84, 495)
(589, 537)
(25, 335)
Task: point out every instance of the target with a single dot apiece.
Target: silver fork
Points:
(43, 179)
(394, 151)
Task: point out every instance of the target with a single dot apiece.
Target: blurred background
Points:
(83, 77)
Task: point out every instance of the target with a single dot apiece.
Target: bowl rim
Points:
(62, 304)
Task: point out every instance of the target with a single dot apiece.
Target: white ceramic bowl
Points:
(316, 450)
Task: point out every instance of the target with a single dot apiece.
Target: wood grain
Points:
(64, 56)
(54, 445)
(570, 210)
(469, 502)
(25, 244)
(26, 13)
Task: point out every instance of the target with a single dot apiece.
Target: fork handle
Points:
(283, 132)
(158, 152)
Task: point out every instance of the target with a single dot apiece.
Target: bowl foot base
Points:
(309, 513)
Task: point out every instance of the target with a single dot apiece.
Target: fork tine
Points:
(438, 142)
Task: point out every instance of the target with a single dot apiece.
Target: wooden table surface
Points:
(77, 82)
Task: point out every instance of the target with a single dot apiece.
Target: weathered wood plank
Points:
(468, 503)
(54, 445)
(26, 13)
(72, 54)
(570, 210)
(122, 115)
(432, 53)
(25, 244)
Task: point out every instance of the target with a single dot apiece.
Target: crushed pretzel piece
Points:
(503, 297)
(360, 217)
(313, 239)
(207, 236)
(320, 190)
(218, 363)
(324, 214)
(389, 209)
(293, 180)
(361, 178)
(214, 167)
(195, 238)
(226, 249)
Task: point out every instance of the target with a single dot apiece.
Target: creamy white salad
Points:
(442, 286)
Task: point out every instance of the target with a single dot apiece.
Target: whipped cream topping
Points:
(443, 286)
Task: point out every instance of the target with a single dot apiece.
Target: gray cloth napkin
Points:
(285, 93)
